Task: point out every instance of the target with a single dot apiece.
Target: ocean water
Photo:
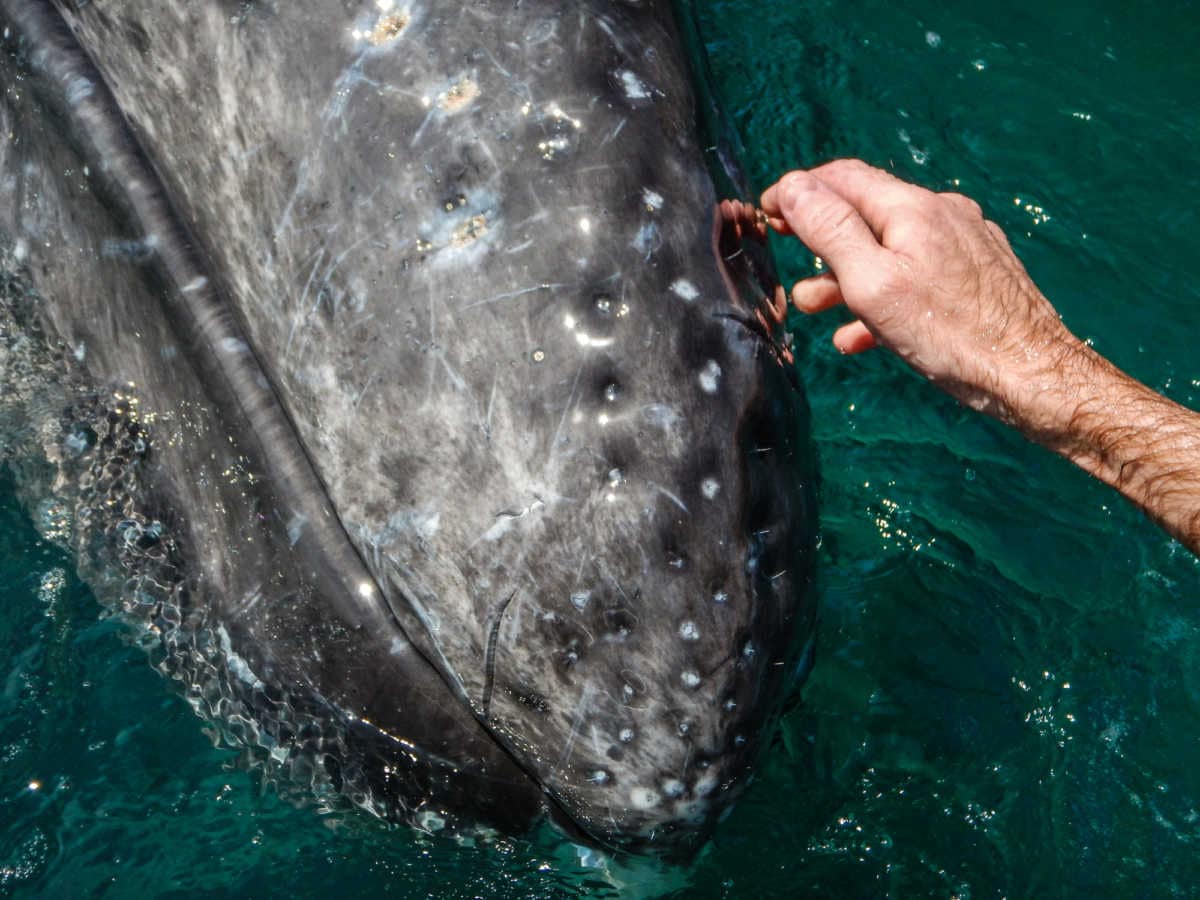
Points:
(1006, 700)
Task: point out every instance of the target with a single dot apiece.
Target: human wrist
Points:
(1047, 375)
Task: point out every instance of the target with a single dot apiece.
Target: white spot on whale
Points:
(710, 376)
(690, 679)
(684, 289)
(295, 528)
(233, 345)
(430, 821)
(634, 87)
(673, 787)
(79, 89)
(660, 416)
(710, 487)
(626, 735)
(580, 600)
(688, 631)
(644, 798)
(653, 199)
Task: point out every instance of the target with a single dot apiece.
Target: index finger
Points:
(876, 194)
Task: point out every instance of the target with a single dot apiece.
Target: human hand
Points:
(929, 278)
(934, 281)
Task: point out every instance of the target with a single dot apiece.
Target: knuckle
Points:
(927, 203)
(909, 224)
(964, 203)
(793, 188)
(850, 165)
(833, 220)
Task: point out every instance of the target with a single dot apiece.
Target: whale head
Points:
(508, 373)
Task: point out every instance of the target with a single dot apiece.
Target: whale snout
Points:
(648, 632)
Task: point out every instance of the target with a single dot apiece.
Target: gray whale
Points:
(395, 370)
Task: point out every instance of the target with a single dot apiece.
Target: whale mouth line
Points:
(781, 354)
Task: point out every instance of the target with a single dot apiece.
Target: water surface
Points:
(1007, 695)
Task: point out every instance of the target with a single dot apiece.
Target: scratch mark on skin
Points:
(285, 217)
(508, 295)
(674, 499)
(487, 425)
(328, 274)
(583, 561)
(612, 135)
(566, 411)
(251, 151)
(363, 392)
(320, 256)
(588, 170)
(432, 346)
(335, 105)
(495, 62)
(536, 217)
(603, 25)
(455, 378)
(490, 657)
(421, 128)
(576, 725)
(597, 746)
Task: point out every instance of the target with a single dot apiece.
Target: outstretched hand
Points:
(926, 275)
(929, 278)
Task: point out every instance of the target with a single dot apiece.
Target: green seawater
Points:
(1006, 700)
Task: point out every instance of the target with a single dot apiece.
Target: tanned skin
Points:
(932, 280)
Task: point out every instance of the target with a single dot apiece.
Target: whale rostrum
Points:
(397, 371)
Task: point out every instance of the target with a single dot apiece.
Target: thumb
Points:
(829, 226)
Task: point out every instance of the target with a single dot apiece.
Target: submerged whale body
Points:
(396, 371)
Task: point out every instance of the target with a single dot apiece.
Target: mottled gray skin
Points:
(518, 494)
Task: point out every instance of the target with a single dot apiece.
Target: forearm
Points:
(1118, 430)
